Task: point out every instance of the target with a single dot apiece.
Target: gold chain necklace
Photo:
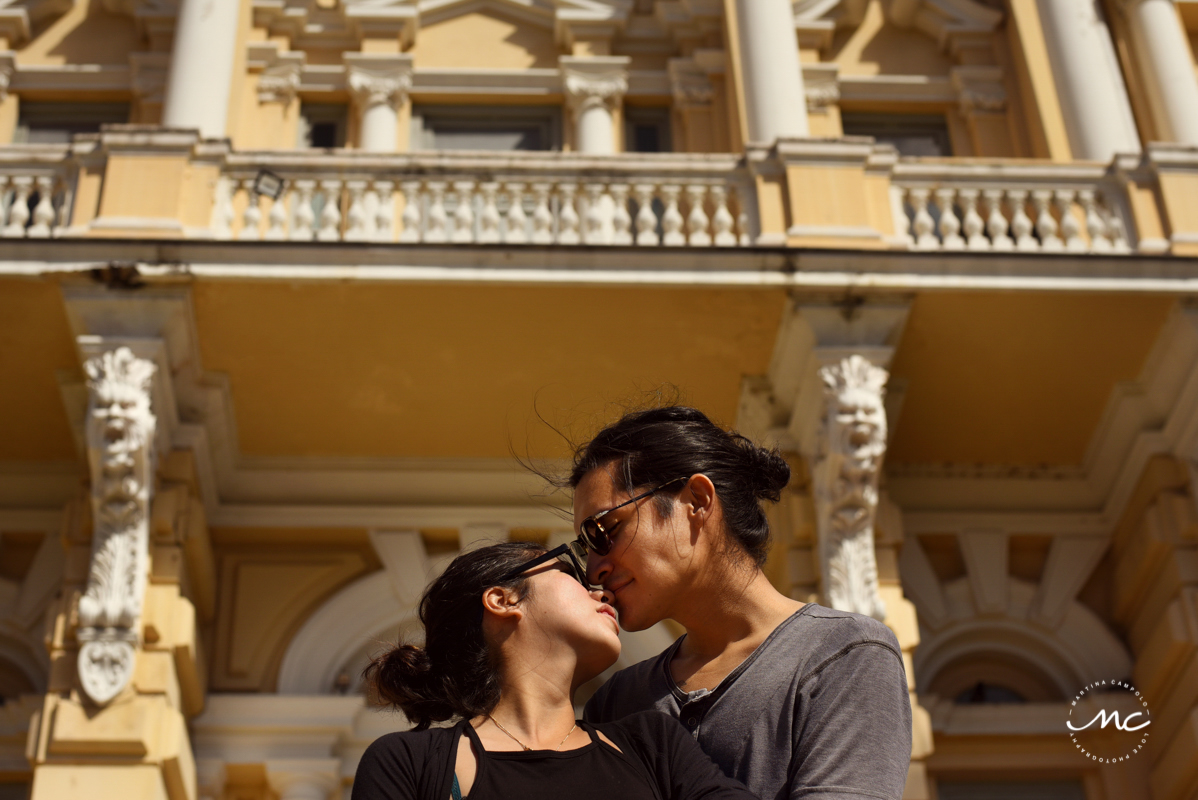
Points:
(522, 744)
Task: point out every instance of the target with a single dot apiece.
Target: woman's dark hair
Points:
(453, 674)
(657, 445)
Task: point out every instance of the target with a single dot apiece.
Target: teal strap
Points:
(456, 791)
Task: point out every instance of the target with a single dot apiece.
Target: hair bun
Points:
(769, 470)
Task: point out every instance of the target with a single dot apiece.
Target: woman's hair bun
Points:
(768, 470)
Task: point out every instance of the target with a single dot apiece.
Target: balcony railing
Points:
(36, 186)
(1039, 208)
(482, 198)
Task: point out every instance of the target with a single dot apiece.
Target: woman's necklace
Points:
(522, 744)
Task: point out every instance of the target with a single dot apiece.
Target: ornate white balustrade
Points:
(36, 185)
(1041, 208)
(476, 198)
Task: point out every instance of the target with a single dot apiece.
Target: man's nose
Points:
(598, 569)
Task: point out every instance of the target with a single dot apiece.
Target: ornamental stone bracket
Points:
(376, 80)
(689, 83)
(825, 397)
(279, 72)
(599, 81)
(120, 432)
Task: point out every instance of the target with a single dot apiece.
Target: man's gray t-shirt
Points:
(818, 711)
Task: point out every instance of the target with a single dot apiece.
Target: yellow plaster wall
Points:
(143, 186)
(266, 594)
(241, 86)
(415, 370)
(1015, 379)
(877, 48)
(265, 126)
(35, 342)
(485, 39)
(9, 113)
(85, 34)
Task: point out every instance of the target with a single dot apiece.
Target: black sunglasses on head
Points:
(597, 538)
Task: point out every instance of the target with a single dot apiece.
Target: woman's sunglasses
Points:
(572, 554)
(598, 538)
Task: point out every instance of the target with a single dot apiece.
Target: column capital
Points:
(979, 89)
(378, 79)
(689, 83)
(599, 80)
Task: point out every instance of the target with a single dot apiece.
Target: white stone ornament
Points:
(120, 445)
(845, 477)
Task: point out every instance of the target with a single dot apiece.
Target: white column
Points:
(772, 76)
(1167, 66)
(1098, 118)
(201, 72)
(379, 85)
(594, 86)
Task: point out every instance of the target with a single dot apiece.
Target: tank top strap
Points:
(586, 726)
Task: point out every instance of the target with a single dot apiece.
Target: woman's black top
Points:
(657, 760)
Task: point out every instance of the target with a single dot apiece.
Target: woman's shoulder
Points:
(410, 746)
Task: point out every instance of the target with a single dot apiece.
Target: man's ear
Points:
(699, 495)
(503, 602)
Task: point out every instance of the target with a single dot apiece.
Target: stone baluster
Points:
(697, 219)
(1116, 232)
(384, 210)
(276, 220)
(721, 220)
(950, 224)
(463, 213)
(355, 217)
(305, 214)
(516, 229)
(222, 209)
(996, 222)
(1095, 227)
(18, 209)
(671, 218)
(744, 225)
(330, 215)
(1021, 224)
(621, 221)
(43, 212)
(1046, 226)
(971, 221)
(542, 215)
(923, 227)
(488, 219)
(411, 212)
(1070, 227)
(646, 220)
(593, 216)
(567, 218)
(251, 220)
(438, 219)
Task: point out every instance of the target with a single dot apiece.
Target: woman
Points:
(793, 700)
(510, 632)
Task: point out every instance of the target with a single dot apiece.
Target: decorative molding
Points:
(821, 85)
(120, 442)
(379, 79)
(979, 89)
(845, 472)
(280, 72)
(689, 83)
(8, 65)
(147, 75)
(19, 17)
(601, 80)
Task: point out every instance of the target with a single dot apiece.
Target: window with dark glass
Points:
(323, 124)
(497, 128)
(911, 134)
(55, 123)
(647, 130)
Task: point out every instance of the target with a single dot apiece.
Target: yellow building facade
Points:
(286, 285)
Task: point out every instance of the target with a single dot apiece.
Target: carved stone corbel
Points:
(689, 83)
(979, 89)
(845, 470)
(379, 80)
(120, 433)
